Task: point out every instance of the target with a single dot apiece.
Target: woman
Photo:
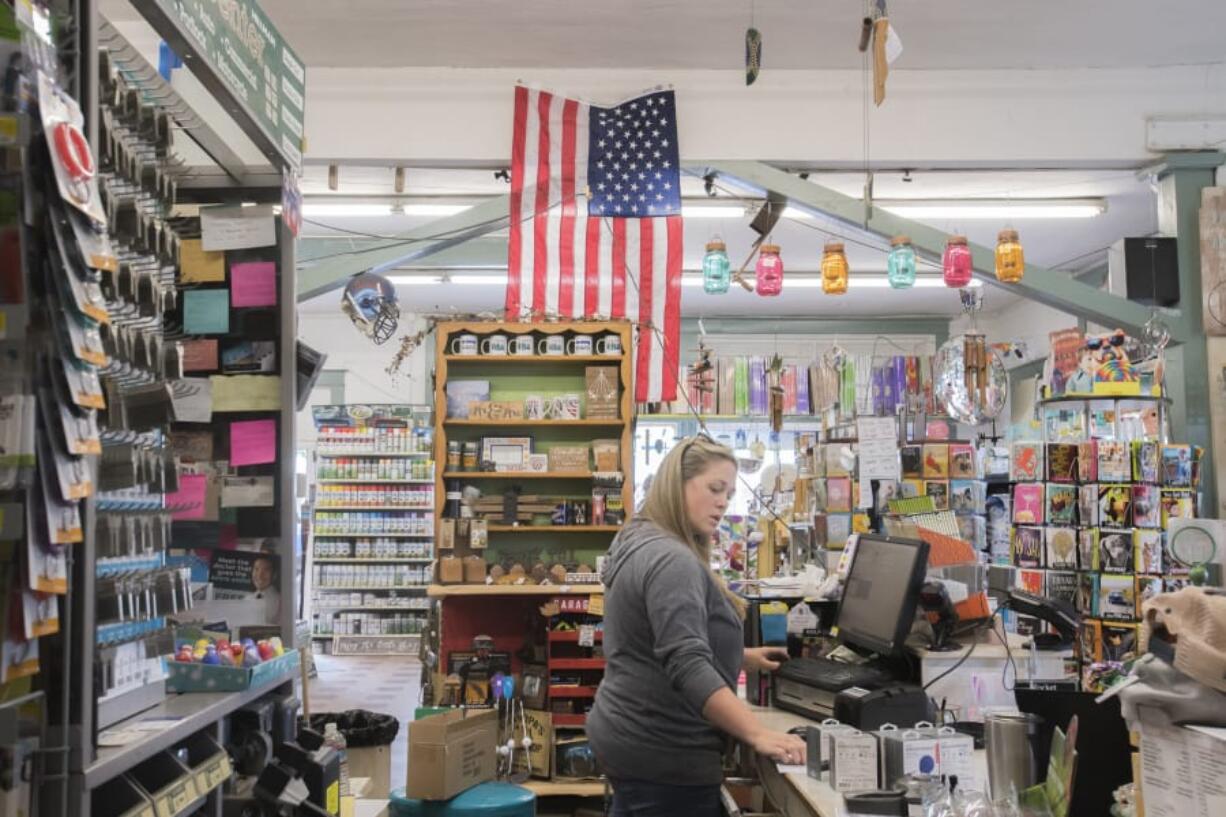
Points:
(673, 649)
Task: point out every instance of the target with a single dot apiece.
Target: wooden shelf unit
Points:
(442, 591)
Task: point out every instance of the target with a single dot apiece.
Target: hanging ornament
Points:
(900, 264)
(956, 263)
(716, 268)
(1010, 260)
(971, 382)
(834, 269)
(769, 271)
(753, 55)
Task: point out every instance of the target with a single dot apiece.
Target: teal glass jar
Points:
(900, 265)
(716, 268)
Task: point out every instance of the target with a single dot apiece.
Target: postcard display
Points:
(372, 526)
(1090, 506)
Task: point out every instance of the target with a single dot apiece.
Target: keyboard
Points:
(824, 673)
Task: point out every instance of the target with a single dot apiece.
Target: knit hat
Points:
(1194, 621)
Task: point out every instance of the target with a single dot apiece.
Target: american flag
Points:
(596, 222)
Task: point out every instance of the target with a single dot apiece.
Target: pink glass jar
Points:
(769, 271)
(956, 263)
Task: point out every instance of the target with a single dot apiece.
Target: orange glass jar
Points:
(1010, 260)
(834, 269)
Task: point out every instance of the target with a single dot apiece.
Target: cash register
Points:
(877, 609)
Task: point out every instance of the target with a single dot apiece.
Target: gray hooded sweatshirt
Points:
(671, 639)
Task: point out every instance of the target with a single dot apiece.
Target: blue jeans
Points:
(637, 798)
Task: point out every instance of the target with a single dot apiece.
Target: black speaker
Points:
(1151, 271)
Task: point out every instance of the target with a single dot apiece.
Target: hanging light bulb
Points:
(769, 271)
(834, 269)
(900, 264)
(956, 263)
(1010, 260)
(716, 268)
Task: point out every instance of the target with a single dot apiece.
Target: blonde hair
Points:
(665, 502)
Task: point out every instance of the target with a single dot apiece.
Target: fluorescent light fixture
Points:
(325, 209)
(994, 209)
(712, 211)
(461, 279)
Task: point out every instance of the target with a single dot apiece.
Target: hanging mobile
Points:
(1193, 546)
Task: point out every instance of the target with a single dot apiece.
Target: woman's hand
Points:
(779, 746)
(763, 659)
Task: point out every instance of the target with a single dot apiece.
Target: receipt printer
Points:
(867, 709)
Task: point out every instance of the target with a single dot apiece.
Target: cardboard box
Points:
(451, 570)
(568, 458)
(853, 761)
(540, 729)
(474, 570)
(375, 764)
(451, 753)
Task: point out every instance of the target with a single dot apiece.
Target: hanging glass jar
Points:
(716, 268)
(1010, 260)
(956, 264)
(769, 271)
(834, 269)
(900, 264)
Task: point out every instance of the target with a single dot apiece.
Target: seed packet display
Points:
(1027, 546)
(1146, 459)
(1117, 597)
(1086, 601)
(1028, 503)
(1177, 505)
(1087, 461)
(912, 457)
(962, 462)
(1062, 462)
(1026, 462)
(1147, 588)
(1087, 505)
(967, 496)
(1062, 585)
(1090, 641)
(1146, 506)
(1148, 545)
(1061, 550)
(1177, 466)
(1061, 504)
(1087, 549)
(1115, 506)
(936, 461)
(938, 489)
(1119, 642)
(1115, 551)
(973, 529)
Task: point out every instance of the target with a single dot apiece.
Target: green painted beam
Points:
(330, 274)
(819, 326)
(1055, 289)
(476, 253)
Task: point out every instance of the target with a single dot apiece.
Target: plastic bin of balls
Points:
(219, 665)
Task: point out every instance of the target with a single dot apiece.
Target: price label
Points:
(595, 605)
(587, 635)
(164, 806)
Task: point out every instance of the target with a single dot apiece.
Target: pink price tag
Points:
(253, 283)
(253, 442)
(189, 497)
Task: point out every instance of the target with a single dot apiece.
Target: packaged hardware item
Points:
(853, 761)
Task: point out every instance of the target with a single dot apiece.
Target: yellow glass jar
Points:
(1010, 260)
(834, 269)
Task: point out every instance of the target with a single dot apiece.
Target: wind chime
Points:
(971, 382)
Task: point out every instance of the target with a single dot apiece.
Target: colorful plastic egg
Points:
(277, 647)
(266, 651)
(210, 656)
(251, 657)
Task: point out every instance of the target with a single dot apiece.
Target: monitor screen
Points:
(881, 592)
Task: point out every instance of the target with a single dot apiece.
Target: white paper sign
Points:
(1183, 772)
(893, 45)
(247, 492)
(192, 399)
(878, 448)
(587, 635)
(237, 228)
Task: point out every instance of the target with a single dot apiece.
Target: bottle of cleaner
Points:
(334, 738)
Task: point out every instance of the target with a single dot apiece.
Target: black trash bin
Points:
(369, 736)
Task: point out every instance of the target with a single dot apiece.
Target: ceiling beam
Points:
(419, 242)
(1055, 289)
(476, 253)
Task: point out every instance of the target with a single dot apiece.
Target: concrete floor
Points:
(388, 685)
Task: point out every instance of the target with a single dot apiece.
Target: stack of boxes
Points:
(1089, 528)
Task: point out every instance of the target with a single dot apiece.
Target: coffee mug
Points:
(464, 345)
(523, 346)
(564, 407)
(494, 345)
(579, 345)
(534, 407)
(552, 345)
(609, 345)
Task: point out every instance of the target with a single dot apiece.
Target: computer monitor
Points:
(881, 592)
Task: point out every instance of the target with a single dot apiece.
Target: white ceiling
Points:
(709, 34)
